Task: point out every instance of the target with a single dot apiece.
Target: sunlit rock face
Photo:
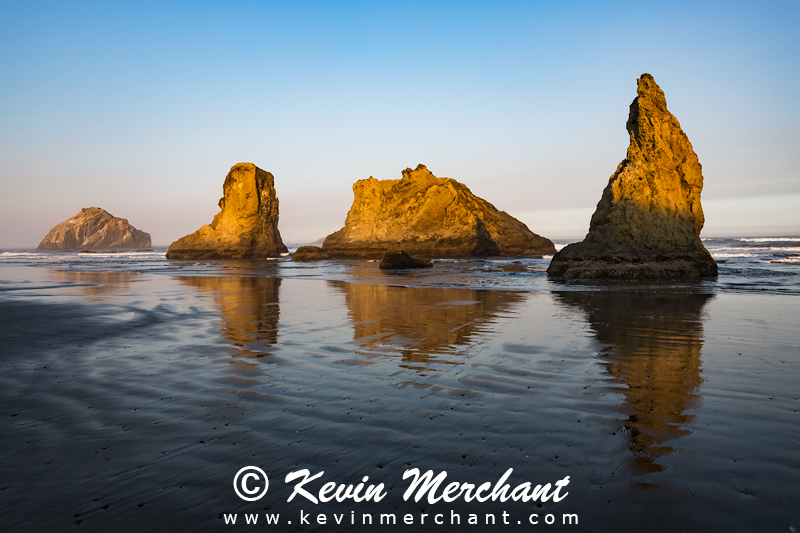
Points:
(246, 226)
(94, 229)
(431, 217)
(648, 221)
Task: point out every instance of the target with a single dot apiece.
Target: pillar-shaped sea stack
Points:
(429, 217)
(247, 225)
(94, 229)
(648, 222)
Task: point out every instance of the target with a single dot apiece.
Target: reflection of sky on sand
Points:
(651, 347)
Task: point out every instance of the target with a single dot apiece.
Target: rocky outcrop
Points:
(246, 226)
(648, 221)
(310, 253)
(401, 260)
(429, 217)
(94, 229)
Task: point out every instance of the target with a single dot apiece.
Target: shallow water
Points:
(132, 390)
(763, 264)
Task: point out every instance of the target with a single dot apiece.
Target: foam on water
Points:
(745, 264)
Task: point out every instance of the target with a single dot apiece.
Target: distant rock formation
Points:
(401, 260)
(648, 222)
(309, 253)
(430, 217)
(94, 229)
(247, 225)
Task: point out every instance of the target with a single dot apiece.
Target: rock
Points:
(430, 217)
(310, 253)
(397, 260)
(94, 229)
(648, 221)
(246, 226)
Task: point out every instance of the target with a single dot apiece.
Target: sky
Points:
(141, 108)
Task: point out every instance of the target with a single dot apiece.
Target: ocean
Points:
(135, 393)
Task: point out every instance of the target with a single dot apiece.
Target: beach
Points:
(133, 390)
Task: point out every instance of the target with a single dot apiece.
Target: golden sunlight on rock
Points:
(431, 217)
(648, 221)
(246, 226)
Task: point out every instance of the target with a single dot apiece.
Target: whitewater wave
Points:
(729, 255)
(770, 239)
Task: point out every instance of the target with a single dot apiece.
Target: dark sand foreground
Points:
(128, 402)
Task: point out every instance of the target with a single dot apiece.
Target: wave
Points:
(770, 239)
(756, 249)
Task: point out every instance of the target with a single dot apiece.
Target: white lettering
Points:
(298, 489)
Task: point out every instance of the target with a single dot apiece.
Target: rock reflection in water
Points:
(651, 344)
(420, 322)
(98, 283)
(249, 310)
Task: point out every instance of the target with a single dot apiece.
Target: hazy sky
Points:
(142, 108)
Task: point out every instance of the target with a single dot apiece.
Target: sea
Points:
(143, 394)
(769, 264)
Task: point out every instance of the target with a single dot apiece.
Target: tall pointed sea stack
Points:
(94, 229)
(246, 227)
(431, 217)
(648, 222)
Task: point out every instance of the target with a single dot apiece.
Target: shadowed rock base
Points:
(310, 253)
(398, 260)
(621, 267)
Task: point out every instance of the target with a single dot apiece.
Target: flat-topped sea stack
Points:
(94, 229)
(648, 221)
(429, 217)
(246, 226)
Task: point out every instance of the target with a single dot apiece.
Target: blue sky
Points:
(142, 108)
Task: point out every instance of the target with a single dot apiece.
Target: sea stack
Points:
(648, 221)
(430, 217)
(246, 226)
(94, 229)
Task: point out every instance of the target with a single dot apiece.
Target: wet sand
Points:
(129, 401)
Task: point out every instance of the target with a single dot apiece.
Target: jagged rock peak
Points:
(429, 217)
(94, 229)
(246, 226)
(647, 223)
